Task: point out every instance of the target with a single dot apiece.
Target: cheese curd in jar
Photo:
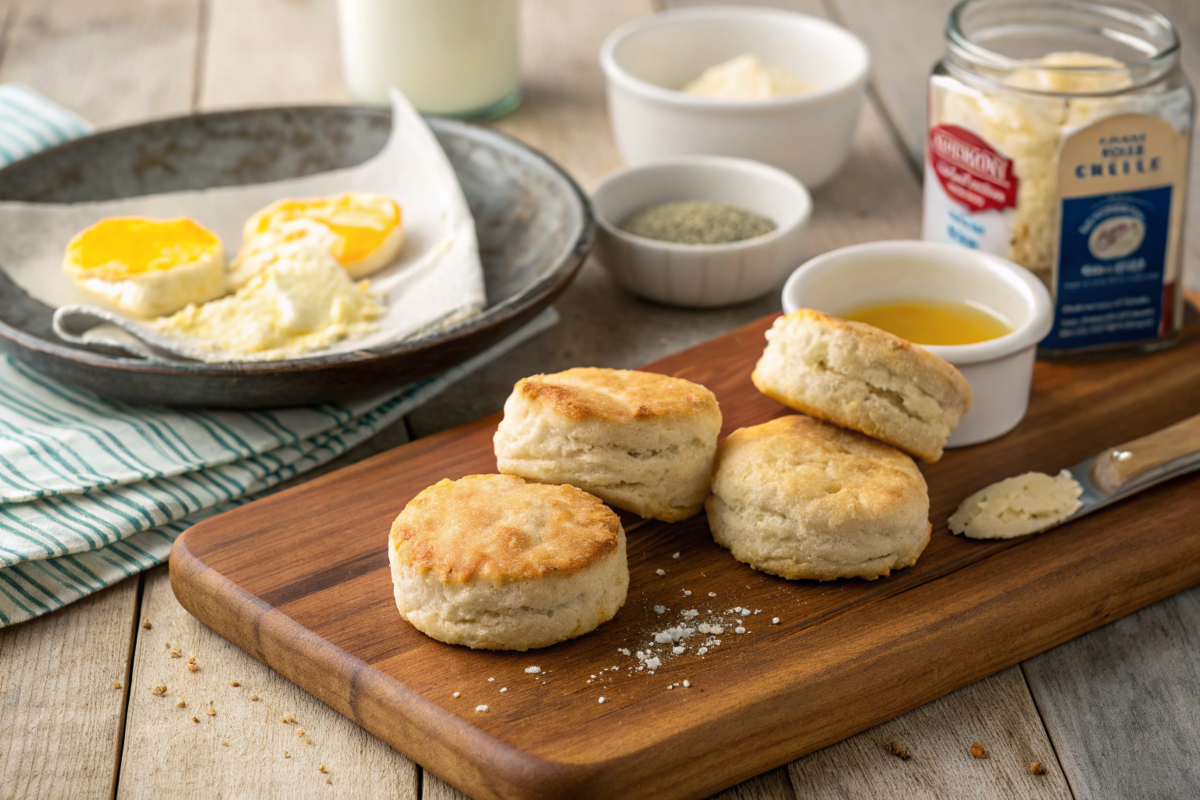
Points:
(1063, 146)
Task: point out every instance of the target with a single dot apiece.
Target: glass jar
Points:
(454, 58)
(1059, 136)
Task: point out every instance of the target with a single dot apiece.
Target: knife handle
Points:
(1152, 458)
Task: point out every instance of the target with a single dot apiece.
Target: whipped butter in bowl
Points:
(977, 311)
(759, 83)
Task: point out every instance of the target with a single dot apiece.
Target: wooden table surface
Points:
(1115, 713)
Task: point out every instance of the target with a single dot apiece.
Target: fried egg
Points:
(146, 266)
(362, 231)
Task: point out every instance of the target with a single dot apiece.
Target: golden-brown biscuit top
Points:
(502, 528)
(617, 394)
(799, 462)
(934, 375)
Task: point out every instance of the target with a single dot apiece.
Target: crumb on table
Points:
(116, 686)
(899, 750)
(978, 750)
(1036, 768)
(234, 683)
(287, 719)
(159, 690)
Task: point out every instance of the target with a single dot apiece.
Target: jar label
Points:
(1119, 188)
(970, 170)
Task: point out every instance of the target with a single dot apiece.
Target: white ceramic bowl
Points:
(999, 370)
(701, 275)
(649, 60)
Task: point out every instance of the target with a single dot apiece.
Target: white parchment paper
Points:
(435, 282)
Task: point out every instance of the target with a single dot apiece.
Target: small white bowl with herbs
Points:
(700, 231)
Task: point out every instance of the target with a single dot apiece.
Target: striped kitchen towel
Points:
(93, 491)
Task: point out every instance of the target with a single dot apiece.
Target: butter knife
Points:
(1128, 468)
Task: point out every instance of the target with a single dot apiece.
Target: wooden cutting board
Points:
(300, 581)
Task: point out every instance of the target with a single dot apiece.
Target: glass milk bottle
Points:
(449, 57)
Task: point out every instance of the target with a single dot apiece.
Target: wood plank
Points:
(300, 580)
(113, 63)
(271, 52)
(874, 197)
(1121, 703)
(61, 707)
(771, 785)
(902, 64)
(167, 754)
(827, 773)
(937, 738)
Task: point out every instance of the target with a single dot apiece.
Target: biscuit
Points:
(799, 498)
(496, 563)
(637, 440)
(860, 377)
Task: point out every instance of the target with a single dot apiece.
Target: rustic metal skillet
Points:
(533, 222)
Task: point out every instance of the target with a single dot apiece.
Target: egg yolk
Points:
(361, 222)
(123, 246)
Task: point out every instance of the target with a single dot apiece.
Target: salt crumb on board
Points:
(481, 708)
(660, 572)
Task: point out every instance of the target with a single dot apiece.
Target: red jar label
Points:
(970, 170)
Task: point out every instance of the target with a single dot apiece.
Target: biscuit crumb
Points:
(300, 732)
(899, 751)
(176, 653)
(167, 645)
(181, 704)
(254, 697)
(308, 741)
(287, 719)
(192, 660)
(234, 683)
(146, 624)
(159, 691)
(321, 768)
(212, 712)
(1036, 768)
(286, 754)
(327, 780)
(224, 744)
(116, 686)
(978, 750)
(195, 719)
(193, 668)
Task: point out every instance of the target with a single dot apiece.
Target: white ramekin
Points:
(648, 61)
(701, 275)
(999, 370)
